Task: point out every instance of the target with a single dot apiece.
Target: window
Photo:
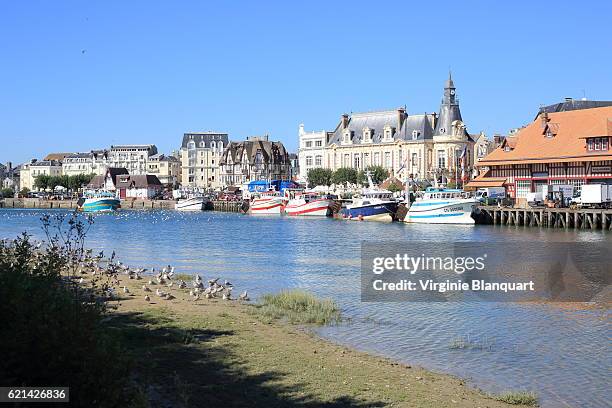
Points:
(441, 159)
(387, 133)
(604, 143)
(415, 134)
(356, 160)
(309, 143)
(318, 160)
(308, 160)
(388, 160)
(366, 159)
(319, 143)
(367, 135)
(377, 159)
(346, 161)
(414, 160)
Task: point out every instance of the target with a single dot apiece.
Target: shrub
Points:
(518, 398)
(53, 331)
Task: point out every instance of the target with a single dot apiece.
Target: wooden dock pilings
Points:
(227, 206)
(547, 217)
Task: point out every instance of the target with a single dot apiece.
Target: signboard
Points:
(601, 169)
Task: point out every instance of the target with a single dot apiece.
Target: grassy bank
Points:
(219, 353)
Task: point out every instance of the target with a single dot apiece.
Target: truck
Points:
(595, 196)
(535, 199)
(490, 195)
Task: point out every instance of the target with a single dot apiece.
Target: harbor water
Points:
(561, 353)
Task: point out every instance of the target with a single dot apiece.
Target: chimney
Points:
(401, 116)
(544, 118)
(344, 119)
(567, 99)
(497, 138)
(301, 131)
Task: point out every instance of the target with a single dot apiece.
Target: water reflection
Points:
(562, 353)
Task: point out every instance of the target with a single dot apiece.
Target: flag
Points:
(462, 158)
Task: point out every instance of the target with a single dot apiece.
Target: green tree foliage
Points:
(7, 192)
(45, 182)
(345, 176)
(24, 191)
(320, 177)
(379, 174)
(393, 187)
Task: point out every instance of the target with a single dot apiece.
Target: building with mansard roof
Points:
(200, 156)
(420, 145)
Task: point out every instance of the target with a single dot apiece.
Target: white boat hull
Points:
(299, 207)
(191, 204)
(442, 212)
(266, 206)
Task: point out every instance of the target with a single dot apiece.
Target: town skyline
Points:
(93, 80)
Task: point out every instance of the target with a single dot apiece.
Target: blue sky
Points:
(86, 74)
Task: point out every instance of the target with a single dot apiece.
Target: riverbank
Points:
(219, 353)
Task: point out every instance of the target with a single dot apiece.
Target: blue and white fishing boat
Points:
(99, 202)
(442, 206)
(373, 204)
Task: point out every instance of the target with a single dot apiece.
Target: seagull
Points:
(159, 293)
(244, 296)
(147, 298)
(226, 296)
(170, 284)
(81, 280)
(145, 288)
(169, 297)
(182, 285)
(151, 282)
(196, 297)
(213, 281)
(227, 283)
(191, 293)
(126, 290)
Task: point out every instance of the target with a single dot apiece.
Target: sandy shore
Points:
(218, 353)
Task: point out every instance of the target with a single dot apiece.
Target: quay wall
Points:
(72, 204)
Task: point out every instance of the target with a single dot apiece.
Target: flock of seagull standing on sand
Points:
(163, 279)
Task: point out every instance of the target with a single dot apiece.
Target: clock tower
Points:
(449, 110)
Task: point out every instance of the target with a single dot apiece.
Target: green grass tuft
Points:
(298, 307)
(518, 398)
(183, 276)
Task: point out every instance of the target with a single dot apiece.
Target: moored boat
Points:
(373, 204)
(266, 203)
(442, 206)
(99, 202)
(195, 203)
(308, 204)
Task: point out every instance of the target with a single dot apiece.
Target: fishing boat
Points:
(442, 206)
(373, 204)
(99, 202)
(194, 203)
(266, 203)
(301, 203)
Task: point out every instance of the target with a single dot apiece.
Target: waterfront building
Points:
(10, 178)
(424, 146)
(166, 168)
(311, 151)
(94, 162)
(200, 158)
(29, 172)
(107, 181)
(59, 157)
(142, 186)
(256, 158)
(567, 143)
(134, 158)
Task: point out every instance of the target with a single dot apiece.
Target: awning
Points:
(486, 182)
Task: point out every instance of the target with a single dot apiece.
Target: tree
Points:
(345, 176)
(378, 173)
(42, 182)
(24, 192)
(7, 192)
(319, 177)
(393, 187)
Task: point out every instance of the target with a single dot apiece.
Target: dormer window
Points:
(367, 135)
(598, 144)
(415, 134)
(387, 133)
(346, 137)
